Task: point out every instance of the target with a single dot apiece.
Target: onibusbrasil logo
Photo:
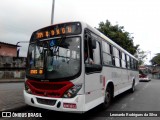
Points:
(13, 114)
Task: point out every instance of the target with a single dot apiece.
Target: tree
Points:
(156, 59)
(119, 36)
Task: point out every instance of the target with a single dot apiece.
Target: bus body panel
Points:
(93, 87)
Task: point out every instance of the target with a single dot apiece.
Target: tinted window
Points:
(123, 60)
(128, 61)
(116, 56)
(107, 57)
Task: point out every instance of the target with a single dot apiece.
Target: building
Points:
(11, 66)
(7, 49)
(155, 71)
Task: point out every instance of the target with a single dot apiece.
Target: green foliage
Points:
(156, 59)
(119, 36)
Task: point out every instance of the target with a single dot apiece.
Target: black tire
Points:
(107, 99)
(133, 87)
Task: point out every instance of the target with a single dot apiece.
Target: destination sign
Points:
(57, 30)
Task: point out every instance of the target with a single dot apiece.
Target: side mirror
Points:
(93, 43)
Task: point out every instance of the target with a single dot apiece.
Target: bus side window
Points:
(131, 63)
(128, 62)
(124, 65)
(113, 58)
(96, 54)
(91, 49)
(116, 56)
(88, 52)
(107, 57)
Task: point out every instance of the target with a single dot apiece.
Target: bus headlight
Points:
(72, 92)
(27, 89)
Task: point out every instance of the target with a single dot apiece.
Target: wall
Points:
(12, 62)
(12, 67)
(17, 74)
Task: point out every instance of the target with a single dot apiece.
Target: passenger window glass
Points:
(128, 62)
(92, 53)
(116, 55)
(107, 57)
(115, 52)
(117, 63)
(106, 47)
(123, 61)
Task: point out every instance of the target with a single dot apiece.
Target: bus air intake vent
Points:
(46, 101)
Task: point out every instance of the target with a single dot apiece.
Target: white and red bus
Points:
(60, 78)
(144, 73)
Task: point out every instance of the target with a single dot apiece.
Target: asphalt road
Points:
(145, 99)
(11, 95)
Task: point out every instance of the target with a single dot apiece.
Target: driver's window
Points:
(91, 54)
(96, 54)
(88, 51)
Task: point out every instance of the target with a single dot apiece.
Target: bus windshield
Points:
(54, 59)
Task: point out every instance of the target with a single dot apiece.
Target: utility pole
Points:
(52, 13)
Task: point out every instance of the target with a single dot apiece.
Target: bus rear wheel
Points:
(133, 87)
(107, 98)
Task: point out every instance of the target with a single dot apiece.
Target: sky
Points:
(20, 18)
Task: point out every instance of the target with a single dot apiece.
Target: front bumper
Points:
(55, 104)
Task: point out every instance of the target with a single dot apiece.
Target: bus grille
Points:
(49, 89)
(46, 101)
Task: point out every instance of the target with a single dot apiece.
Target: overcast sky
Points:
(19, 18)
